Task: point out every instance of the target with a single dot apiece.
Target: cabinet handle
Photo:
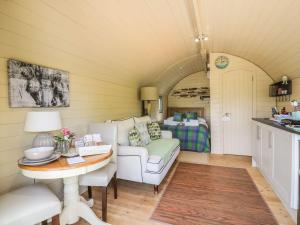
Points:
(257, 133)
(270, 140)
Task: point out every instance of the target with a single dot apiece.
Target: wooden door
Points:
(237, 102)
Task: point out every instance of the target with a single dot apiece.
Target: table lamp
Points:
(42, 122)
(148, 94)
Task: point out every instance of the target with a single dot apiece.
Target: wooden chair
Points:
(102, 177)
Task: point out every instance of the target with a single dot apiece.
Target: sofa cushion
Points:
(145, 137)
(155, 163)
(124, 126)
(134, 137)
(154, 130)
(142, 119)
(163, 148)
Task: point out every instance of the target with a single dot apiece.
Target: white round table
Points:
(74, 205)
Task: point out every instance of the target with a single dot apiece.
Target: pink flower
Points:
(65, 131)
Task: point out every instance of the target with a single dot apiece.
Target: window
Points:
(160, 104)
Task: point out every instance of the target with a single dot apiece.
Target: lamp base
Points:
(43, 140)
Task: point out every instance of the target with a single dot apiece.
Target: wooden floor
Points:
(136, 202)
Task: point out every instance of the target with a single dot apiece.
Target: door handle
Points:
(226, 117)
(270, 139)
(257, 133)
(227, 114)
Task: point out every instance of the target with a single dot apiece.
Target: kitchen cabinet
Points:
(275, 153)
(267, 152)
(257, 144)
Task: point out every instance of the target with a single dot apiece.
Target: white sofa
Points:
(138, 163)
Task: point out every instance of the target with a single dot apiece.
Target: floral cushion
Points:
(134, 137)
(142, 129)
(154, 130)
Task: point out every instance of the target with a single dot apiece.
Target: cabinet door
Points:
(282, 177)
(267, 152)
(256, 149)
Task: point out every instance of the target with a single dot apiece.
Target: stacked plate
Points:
(39, 156)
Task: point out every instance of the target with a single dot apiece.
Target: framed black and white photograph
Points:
(32, 85)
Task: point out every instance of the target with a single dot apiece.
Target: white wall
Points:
(262, 102)
(194, 80)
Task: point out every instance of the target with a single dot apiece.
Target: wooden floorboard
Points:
(136, 202)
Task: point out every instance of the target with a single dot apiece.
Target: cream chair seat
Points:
(29, 205)
(99, 178)
(102, 177)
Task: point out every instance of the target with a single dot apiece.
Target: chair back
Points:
(109, 134)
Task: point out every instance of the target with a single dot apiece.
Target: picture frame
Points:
(35, 86)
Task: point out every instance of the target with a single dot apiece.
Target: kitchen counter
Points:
(275, 124)
(275, 153)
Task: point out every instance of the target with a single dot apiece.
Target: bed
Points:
(192, 137)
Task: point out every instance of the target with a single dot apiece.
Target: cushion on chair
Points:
(134, 137)
(155, 163)
(123, 129)
(28, 205)
(100, 178)
(154, 130)
(143, 130)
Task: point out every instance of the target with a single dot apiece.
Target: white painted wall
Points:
(262, 101)
(194, 80)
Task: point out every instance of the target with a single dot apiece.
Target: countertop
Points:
(275, 124)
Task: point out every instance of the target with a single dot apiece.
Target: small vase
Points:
(63, 147)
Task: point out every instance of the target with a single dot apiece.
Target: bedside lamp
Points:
(148, 94)
(42, 122)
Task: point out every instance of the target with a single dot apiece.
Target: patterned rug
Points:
(212, 195)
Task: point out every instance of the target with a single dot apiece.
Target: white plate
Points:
(26, 162)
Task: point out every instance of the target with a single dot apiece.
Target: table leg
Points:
(89, 202)
(73, 207)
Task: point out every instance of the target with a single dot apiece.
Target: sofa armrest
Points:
(166, 134)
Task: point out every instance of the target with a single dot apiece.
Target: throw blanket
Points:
(195, 138)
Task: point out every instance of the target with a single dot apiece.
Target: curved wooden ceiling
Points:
(138, 42)
(263, 32)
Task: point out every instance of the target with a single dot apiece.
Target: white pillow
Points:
(143, 119)
(202, 121)
(192, 123)
(124, 126)
(143, 130)
(171, 122)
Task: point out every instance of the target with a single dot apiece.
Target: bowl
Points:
(39, 153)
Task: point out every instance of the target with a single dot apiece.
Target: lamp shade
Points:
(149, 93)
(42, 121)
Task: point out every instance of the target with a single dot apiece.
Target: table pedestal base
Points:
(74, 207)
